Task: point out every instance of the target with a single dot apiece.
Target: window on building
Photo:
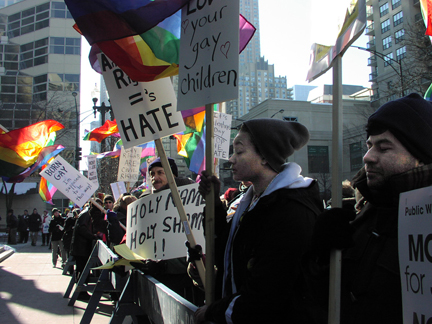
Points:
(385, 26)
(59, 10)
(396, 3)
(387, 42)
(318, 159)
(399, 36)
(62, 45)
(356, 156)
(398, 18)
(401, 53)
(388, 59)
(384, 9)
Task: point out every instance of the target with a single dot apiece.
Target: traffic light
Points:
(78, 153)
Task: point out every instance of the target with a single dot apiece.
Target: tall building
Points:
(393, 25)
(257, 80)
(40, 71)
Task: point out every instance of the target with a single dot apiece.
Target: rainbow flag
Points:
(102, 132)
(426, 10)
(428, 94)
(154, 54)
(191, 143)
(46, 189)
(44, 156)
(20, 148)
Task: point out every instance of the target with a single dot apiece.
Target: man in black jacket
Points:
(399, 159)
(56, 229)
(12, 225)
(35, 221)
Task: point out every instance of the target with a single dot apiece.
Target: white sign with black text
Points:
(129, 164)
(92, 169)
(154, 228)
(222, 135)
(144, 111)
(209, 53)
(69, 181)
(415, 254)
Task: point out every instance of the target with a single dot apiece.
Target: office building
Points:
(257, 79)
(39, 73)
(393, 26)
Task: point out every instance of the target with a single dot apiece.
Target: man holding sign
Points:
(398, 159)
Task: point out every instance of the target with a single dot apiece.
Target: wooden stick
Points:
(210, 207)
(179, 205)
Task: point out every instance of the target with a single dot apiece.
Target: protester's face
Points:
(25, 212)
(246, 163)
(35, 211)
(386, 156)
(158, 177)
(108, 204)
(56, 214)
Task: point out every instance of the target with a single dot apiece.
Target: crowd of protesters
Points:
(273, 236)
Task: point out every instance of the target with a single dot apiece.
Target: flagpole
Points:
(178, 203)
(210, 207)
(337, 162)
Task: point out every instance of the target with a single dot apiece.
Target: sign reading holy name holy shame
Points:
(144, 111)
(415, 255)
(69, 181)
(129, 164)
(209, 53)
(154, 228)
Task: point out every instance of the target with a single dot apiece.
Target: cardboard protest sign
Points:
(222, 134)
(129, 164)
(209, 53)
(117, 189)
(144, 111)
(92, 169)
(154, 228)
(415, 254)
(69, 181)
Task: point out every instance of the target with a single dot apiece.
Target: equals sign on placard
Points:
(136, 98)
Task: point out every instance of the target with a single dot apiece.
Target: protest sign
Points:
(154, 228)
(69, 181)
(144, 111)
(117, 189)
(415, 254)
(92, 169)
(222, 134)
(209, 51)
(130, 161)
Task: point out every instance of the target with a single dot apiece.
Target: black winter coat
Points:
(267, 252)
(82, 237)
(35, 221)
(56, 228)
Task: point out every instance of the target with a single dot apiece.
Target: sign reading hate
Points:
(154, 228)
(415, 254)
(144, 111)
(69, 181)
(209, 51)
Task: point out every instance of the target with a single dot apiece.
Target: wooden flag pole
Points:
(179, 205)
(210, 207)
(337, 156)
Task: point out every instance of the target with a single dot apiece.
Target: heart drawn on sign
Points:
(185, 24)
(225, 49)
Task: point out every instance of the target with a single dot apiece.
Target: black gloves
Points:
(195, 253)
(332, 230)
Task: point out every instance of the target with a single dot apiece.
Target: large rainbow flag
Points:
(141, 37)
(20, 148)
(46, 189)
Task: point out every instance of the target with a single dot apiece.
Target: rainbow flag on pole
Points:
(100, 133)
(46, 189)
(20, 148)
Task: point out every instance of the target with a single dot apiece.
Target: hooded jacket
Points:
(263, 279)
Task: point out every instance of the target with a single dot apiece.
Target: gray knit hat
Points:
(409, 119)
(276, 139)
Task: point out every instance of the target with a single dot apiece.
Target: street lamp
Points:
(103, 109)
(277, 112)
(77, 146)
(385, 59)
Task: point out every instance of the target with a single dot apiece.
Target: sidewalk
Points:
(31, 290)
